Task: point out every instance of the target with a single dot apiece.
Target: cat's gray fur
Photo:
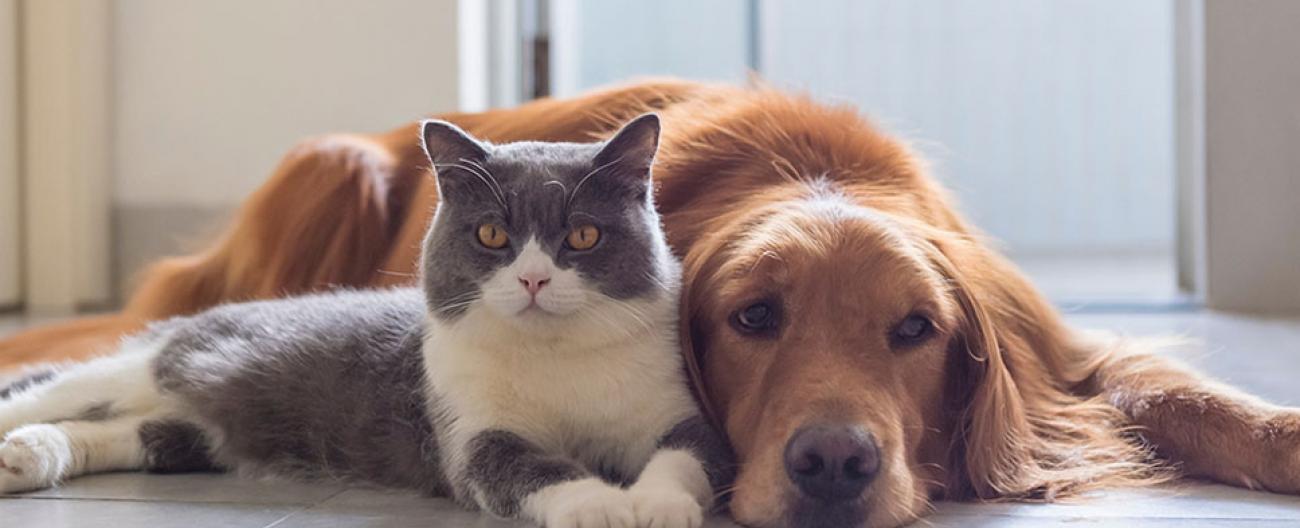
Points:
(320, 386)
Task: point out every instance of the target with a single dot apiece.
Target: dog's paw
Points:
(665, 507)
(588, 503)
(33, 457)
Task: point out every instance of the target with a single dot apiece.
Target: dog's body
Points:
(863, 349)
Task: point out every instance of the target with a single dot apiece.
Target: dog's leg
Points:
(1206, 429)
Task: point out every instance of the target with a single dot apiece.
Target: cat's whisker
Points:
(496, 192)
(588, 176)
(604, 319)
(564, 189)
(461, 300)
(657, 281)
(453, 307)
(642, 322)
(492, 178)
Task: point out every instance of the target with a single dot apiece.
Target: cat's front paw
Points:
(665, 507)
(588, 503)
(33, 457)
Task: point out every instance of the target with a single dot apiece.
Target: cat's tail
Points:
(113, 385)
(58, 422)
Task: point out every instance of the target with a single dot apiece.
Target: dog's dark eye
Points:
(912, 330)
(758, 318)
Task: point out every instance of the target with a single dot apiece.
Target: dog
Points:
(862, 346)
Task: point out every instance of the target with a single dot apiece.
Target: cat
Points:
(535, 373)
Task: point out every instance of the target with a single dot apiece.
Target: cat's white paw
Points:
(33, 457)
(665, 507)
(588, 503)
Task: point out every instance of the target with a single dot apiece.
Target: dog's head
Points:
(823, 333)
(863, 353)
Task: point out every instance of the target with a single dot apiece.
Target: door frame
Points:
(11, 262)
(66, 93)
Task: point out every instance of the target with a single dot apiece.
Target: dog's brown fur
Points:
(767, 195)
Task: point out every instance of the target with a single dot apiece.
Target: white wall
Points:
(209, 94)
(596, 42)
(1053, 120)
(10, 257)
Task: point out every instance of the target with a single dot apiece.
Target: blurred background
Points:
(1131, 155)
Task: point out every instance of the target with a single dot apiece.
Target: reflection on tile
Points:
(192, 487)
(379, 509)
(993, 521)
(1182, 501)
(22, 513)
(384, 509)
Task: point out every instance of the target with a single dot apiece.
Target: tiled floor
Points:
(1259, 354)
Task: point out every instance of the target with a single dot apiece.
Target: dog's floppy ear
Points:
(989, 451)
(698, 268)
(1020, 431)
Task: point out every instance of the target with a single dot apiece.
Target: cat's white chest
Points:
(606, 406)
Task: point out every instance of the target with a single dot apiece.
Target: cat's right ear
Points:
(447, 145)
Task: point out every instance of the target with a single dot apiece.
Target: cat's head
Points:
(544, 236)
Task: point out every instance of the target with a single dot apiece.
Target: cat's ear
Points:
(446, 144)
(632, 149)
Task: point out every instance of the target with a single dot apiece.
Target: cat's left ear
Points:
(446, 143)
(632, 149)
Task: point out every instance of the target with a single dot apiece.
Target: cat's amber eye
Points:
(583, 237)
(492, 236)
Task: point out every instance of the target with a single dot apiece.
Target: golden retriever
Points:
(864, 350)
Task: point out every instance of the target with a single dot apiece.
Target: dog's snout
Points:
(832, 463)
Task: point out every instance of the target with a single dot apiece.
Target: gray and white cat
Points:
(536, 374)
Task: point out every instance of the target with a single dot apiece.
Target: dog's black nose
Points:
(832, 463)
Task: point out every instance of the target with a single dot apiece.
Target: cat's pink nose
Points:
(534, 282)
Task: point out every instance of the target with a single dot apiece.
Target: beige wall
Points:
(209, 94)
(1252, 117)
(10, 257)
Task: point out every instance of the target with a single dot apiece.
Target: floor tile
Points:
(199, 487)
(23, 513)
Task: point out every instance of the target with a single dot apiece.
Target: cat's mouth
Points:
(534, 310)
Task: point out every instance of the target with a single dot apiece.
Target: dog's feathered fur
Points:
(1033, 409)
